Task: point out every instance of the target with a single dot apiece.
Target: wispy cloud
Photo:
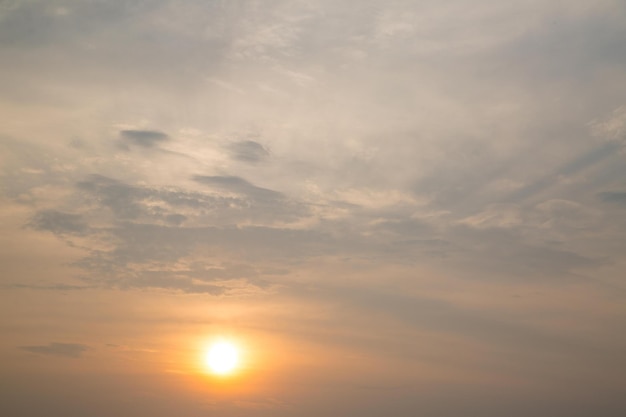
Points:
(59, 222)
(69, 350)
(249, 151)
(144, 138)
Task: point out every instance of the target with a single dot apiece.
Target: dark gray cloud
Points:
(247, 202)
(144, 138)
(569, 49)
(150, 230)
(467, 187)
(36, 23)
(240, 186)
(149, 242)
(69, 350)
(508, 254)
(578, 164)
(436, 314)
(175, 219)
(131, 202)
(248, 151)
(617, 197)
(52, 287)
(119, 197)
(59, 222)
(405, 227)
(250, 202)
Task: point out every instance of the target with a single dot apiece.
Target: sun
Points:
(222, 358)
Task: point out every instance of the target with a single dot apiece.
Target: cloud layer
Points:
(338, 180)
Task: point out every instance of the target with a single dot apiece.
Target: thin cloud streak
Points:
(69, 350)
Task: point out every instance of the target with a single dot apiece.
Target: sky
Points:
(392, 208)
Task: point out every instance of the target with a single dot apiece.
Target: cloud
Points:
(511, 254)
(405, 227)
(230, 200)
(164, 281)
(59, 222)
(416, 165)
(144, 138)
(35, 23)
(611, 128)
(582, 162)
(52, 287)
(128, 201)
(443, 317)
(119, 197)
(617, 197)
(68, 350)
(149, 242)
(175, 219)
(248, 151)
(248, 202)
(240, 186)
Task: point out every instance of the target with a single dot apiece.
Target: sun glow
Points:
(222, 358)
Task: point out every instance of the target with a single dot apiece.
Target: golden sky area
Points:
(388, 208)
